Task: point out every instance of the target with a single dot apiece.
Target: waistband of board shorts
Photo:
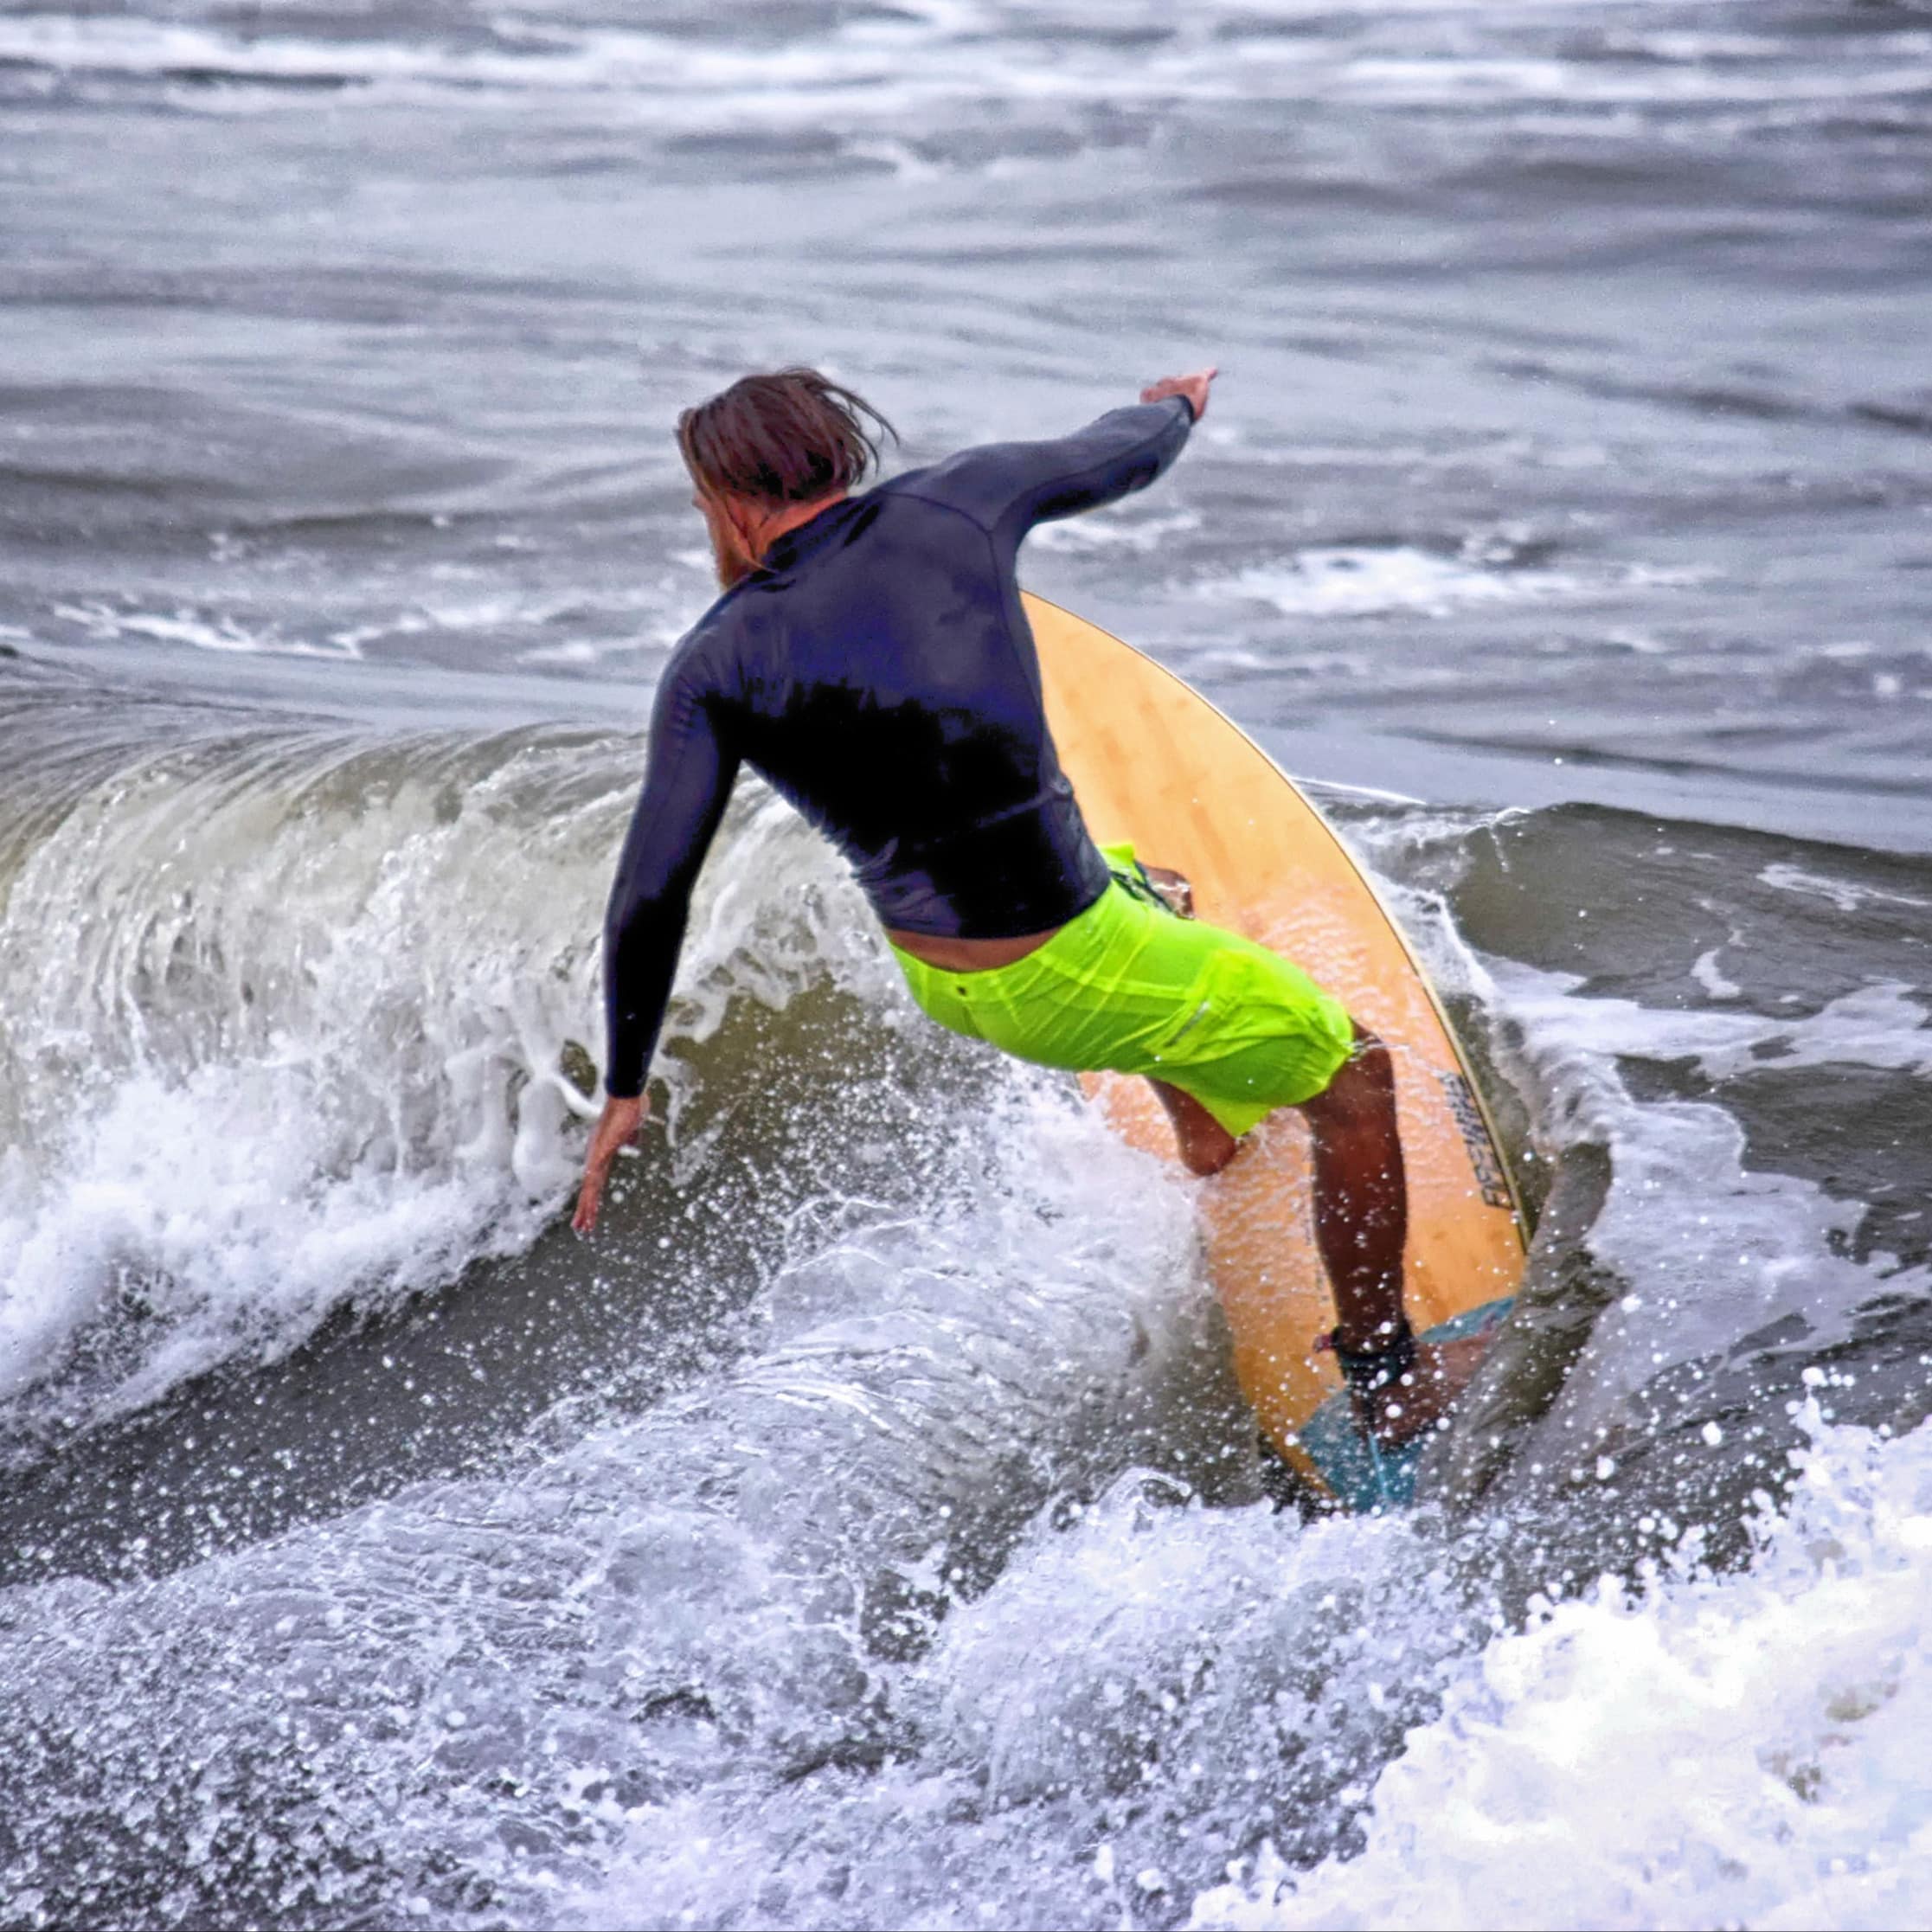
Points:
(1067, 955)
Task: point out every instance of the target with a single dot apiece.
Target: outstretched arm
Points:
(687, 784)
(1008, 487)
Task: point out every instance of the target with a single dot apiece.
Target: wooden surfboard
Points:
(1151, 760)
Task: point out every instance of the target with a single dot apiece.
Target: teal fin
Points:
(1362, 1476)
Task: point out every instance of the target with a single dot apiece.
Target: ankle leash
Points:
(1366, 1371)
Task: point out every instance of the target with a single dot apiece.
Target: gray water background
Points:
(1566, 505)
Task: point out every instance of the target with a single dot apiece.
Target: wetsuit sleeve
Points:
(687, 785)
(1008, 487)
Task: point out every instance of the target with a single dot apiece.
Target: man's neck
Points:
(782, 521)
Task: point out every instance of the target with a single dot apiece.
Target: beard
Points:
(728, 559)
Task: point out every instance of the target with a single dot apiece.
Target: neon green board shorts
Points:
(1130, 987)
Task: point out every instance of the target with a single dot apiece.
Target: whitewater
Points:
(865, 1529)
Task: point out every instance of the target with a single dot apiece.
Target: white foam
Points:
(1742, 1750)
(1353, 581)
(1708, 974)
(920, 1368)
(284, 1034)
(185, 625)
(1884, 1024)
(258, 1061)
(1848, 895)
(1714, 1247)
(1115, 531)
(880, 77)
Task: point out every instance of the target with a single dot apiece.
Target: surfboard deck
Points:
(1151, 760)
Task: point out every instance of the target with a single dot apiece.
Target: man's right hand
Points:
(1194, 388)
(621, 1121)
(1173, 886)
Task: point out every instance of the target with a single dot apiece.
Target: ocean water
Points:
(864, 1531)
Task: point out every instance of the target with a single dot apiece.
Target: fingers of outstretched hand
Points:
(589, 1198)
(619, 1123)
(1194, 388)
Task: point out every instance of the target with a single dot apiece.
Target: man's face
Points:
(734, 563)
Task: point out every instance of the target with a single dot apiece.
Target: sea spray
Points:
(293, 1020)
(1678, 1747)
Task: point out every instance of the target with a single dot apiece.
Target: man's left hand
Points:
(620, 1125)
(1194, 388)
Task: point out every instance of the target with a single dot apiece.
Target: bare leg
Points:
(1361, 1190)
(1206, 1147)
(1361, 1193)
(1360, 1222)
(1361, 1212)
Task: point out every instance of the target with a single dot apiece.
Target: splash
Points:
(1743, 1750)
(298, 1026)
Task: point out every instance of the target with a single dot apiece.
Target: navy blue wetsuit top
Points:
(878, 671)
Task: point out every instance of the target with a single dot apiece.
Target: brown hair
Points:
(786, 438)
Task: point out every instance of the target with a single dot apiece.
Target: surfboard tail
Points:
(1361, 1474)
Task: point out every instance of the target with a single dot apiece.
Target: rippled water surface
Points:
(865, 1531)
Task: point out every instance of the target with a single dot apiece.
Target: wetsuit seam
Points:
(940, 503)
(1031, 672)
(1012, 639)
(1052, 482)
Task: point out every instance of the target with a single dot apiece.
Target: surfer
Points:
(870, 658)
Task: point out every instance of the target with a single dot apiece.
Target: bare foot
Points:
(1443, 1371)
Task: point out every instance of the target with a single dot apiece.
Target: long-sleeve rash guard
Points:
(878, 670)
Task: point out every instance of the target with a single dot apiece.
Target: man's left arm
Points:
(1122, 451)
(1008, 487)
